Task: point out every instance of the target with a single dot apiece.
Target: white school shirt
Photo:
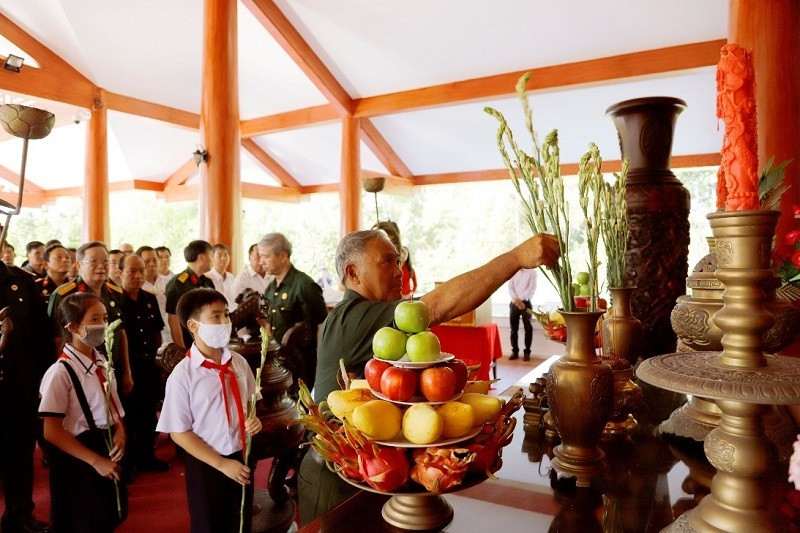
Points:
(60, 400)
(159, 288)
(194, 402)
(223, 283)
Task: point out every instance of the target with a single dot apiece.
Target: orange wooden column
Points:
(771, 30)
(220, 189)
(350, 184)
(95, 179)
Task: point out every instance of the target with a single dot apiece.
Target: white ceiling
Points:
(152, 50)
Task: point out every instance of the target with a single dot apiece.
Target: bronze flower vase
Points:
(580, 389)
(622, 332)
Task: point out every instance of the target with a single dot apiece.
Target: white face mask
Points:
(214, 335)
(95, 335)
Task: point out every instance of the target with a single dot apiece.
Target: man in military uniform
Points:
(368, 265)
(23, 359)
(293, 296)
(56, 267)
(92, 276)
(33, 263)
(141, 318)
(198, 256)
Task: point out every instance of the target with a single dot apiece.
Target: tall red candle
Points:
(737, 179)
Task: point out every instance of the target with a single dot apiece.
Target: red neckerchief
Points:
(102, 379)
(223, 370)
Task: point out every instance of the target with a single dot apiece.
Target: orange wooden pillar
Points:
(95, 180)
(350, 184)
(220, 189)
(771, 29)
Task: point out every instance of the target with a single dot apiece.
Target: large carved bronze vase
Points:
(658, 214)
(580, 390)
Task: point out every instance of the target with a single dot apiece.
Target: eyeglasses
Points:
(94, 262)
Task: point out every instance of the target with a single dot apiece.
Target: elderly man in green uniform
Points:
(92, 259)
(293, 297)
(56, 267)
(368, 266)
(198, 256)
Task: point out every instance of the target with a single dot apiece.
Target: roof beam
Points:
(289, 120)
(14, 178)
(276, 23)
(268, 163)
(142, 108)
(567, 169)
(182, 175)
(593, 71)
(46, 58)
(28, 199)
(48, 85)
(255, 191)
(385, 154)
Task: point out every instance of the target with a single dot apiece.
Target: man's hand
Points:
(541, 249)
(107, 468)
(519, 304)
(236, 471)
(127, 384)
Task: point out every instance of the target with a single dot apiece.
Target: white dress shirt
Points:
(223, 283)
(159, 288)
(522, 285)
(60, 400)
(250, 279)
(194, 402)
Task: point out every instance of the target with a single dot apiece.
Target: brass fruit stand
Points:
(742, 379)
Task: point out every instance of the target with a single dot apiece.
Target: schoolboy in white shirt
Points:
(204, 413)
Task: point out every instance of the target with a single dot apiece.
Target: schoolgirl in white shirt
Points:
(76, 417)
(205, 414)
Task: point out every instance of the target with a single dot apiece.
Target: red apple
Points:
(438, 383)
(398, 384)
(373, 372)
(459, 368)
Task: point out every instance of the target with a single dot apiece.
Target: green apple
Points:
(423, 347)
(389, 343)
(412, 316)
(582, 278)
(576, 289)
(585, 290)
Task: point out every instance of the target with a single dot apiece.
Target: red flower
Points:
(796, 258)
(793, 237)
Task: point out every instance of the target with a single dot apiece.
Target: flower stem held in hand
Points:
(109, 387)
(251, 412)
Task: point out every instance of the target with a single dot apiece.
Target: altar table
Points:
(480, 343)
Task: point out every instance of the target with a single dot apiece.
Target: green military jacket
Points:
(347, 334)
(297, 299)
(179, 285)
(111, 296)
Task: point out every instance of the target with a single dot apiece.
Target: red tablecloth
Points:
(480, 343)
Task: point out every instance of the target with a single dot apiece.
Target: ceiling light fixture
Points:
(200, 155)
(13, 63)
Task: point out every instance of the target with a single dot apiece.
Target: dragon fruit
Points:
(441, 469)
(384, 468)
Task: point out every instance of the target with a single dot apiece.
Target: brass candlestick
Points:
(742, 380)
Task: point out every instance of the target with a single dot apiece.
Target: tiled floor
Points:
(511, 372)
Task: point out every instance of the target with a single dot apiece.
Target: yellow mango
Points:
(378, 419)
(458, 419)
(481, 387)
(342, 402)
(486, 408)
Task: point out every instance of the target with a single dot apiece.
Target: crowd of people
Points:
(87, 325)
